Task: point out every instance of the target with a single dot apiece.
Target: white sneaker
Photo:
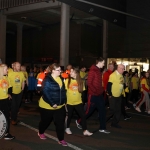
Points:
(87, 133)
(68, 131)
(148, 111)
(104, 131)
(138, 109)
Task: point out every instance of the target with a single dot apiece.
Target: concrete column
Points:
(19, 42)
(64, 35)
(2, 37)
(105, 41)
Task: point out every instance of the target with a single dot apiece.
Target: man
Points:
(95, 94)
(105, 81)
(115, 90)
(17, 81)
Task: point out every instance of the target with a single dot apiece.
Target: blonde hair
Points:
(2, 70)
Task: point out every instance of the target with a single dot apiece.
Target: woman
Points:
(52, 103)
(74, 86)
(5, 91)
(145, 90)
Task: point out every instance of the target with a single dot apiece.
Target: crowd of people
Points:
(63, 91)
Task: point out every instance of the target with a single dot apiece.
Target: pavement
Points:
(134, 134)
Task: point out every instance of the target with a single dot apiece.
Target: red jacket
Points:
(106, 78)
(95, 81)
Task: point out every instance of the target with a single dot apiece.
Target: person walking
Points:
(145, 90)
(115, 89)
(75, 87)
(5, 96)
(52, 103)
(95, 94)
(17, 81)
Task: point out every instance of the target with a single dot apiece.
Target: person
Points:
(135, 88)
(74, 86)
(105, 81)
(66, 73)
(52, 103)
(95, 95)
(41, 77)
(31, 86)
(115, 90)
(145, 90)
(5, 96)
(84, 76)
(23, 69)
(126, 88)
(17, 81)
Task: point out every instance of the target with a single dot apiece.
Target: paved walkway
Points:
(134, 134)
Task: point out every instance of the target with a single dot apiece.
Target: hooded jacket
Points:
(95, 81)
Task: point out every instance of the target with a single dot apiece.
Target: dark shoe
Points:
(127, 117)
(115, 126)
(13, 122)
(8, 136)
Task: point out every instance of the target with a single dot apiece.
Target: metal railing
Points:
(5, 4)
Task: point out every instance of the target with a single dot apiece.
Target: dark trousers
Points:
(30, 95)
(123, 104)
(134, 95)
(97, 102)
(58, 116)
(4, 107)
(80, 110)
(115, 109)
(15, 104)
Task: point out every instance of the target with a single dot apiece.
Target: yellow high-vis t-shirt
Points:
(135, 83)
(117, 81)
(16, 80)
(45, 105)
(73, 95)
(143, 81)
(25, 74)
(82, 74)
(4, 85)
(10, 70)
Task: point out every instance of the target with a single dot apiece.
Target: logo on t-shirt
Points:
(4, 84)
(17, 79)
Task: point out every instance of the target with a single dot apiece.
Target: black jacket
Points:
(51, 91)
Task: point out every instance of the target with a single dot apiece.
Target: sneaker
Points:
(148, 111)
(42, 136)
(134, 105)
(104, 131)
(127, 117)
(63, 143)
(87, 133)
(8, 136)
(68, 131)
(138, 109)
(116, 126)
(78, 125)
